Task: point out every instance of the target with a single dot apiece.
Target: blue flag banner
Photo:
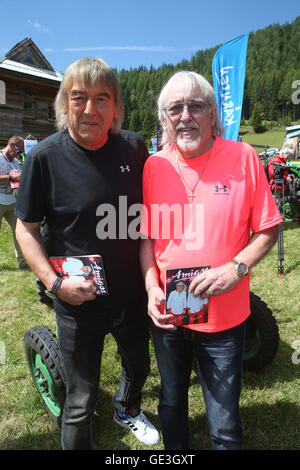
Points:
(228, 70)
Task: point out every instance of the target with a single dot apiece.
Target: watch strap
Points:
(53, 291)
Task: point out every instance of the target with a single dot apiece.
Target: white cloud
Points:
(38, 26)
(131, 48)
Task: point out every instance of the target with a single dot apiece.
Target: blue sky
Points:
(132, 33)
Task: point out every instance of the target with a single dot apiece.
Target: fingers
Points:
(160, 319)
(156, 300)
(196, 283)
(15, 177)
(214, 281)
(202, 286)
(209, 292)
(163, 325)
(76, 292)
(88, 287)
(87, 291)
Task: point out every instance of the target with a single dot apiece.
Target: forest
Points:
(272, 76)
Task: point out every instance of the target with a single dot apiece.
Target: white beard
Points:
(188, 145)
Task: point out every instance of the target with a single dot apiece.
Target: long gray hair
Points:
(190, 79)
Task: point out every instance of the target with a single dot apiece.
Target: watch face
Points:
(49, 294)
(243, 269)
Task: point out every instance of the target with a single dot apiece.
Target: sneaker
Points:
(143, 430)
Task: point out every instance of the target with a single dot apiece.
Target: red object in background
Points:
(14, 184)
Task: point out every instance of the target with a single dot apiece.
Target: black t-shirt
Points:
(85, 197)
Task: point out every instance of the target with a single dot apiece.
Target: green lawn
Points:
(271, 138)
(270, 400)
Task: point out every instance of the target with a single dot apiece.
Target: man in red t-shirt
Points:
(203, 196)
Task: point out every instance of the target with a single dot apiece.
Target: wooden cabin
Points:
(28, 86)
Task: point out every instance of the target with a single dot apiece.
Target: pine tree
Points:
(273, 59)
(257, 117)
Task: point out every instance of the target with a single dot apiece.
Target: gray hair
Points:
(88, 72)
(16, 140)
(286, 150)
(190, 79)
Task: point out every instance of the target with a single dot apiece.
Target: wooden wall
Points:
(28, 107)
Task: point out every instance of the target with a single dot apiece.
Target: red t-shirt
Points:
(232, 198)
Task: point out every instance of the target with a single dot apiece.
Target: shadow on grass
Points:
(33, 441)
(271, 427)
(292, 267)
(107, 435)
(265, 427)
(6, 267)
(281, 369)
(290, 226)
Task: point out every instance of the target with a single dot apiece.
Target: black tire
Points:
(43, 298)
(262, 336)
(43, 359)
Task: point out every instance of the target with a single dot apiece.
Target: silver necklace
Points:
(192, 194)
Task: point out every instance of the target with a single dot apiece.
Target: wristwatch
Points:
(53, 291)
(242, 269)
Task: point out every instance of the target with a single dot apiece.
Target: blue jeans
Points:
(81, 339)
(219, 360)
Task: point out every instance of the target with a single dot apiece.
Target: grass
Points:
(271, 138)
(270, 400)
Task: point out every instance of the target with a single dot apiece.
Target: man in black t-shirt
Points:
(85, 182)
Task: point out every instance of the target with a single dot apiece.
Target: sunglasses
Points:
(17, 149)
(195, 108)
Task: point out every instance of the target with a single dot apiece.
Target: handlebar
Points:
(279, 165)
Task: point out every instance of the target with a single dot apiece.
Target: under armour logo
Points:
(222, 189)
(124, 168)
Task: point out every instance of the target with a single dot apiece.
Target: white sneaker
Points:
(140, 426)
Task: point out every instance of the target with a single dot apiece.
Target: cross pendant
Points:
(192, 195)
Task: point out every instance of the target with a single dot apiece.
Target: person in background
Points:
(223, 193)
(284, 155)
(10, 173)
(66, 180)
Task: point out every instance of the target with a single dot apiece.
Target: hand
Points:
(156, 299)
(15, 175)
(76, 292)
(214, 281)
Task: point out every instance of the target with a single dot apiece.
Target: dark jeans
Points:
(219, 360)
(81, 339)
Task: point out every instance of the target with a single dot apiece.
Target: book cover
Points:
(183, 305)
(14, 184)
(84, 268)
